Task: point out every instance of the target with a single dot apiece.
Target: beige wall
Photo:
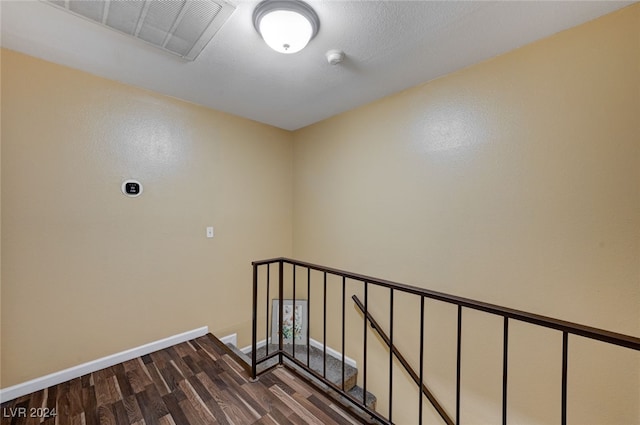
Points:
(516, 182)
(86, 271)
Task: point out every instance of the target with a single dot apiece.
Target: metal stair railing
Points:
(508, 314)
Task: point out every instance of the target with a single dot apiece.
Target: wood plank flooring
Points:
(193, 383)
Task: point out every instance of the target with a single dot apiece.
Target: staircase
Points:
(330, 286)
(333, 371)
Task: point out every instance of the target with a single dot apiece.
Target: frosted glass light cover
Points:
(285, 31)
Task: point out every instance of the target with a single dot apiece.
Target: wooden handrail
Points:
(425, 390)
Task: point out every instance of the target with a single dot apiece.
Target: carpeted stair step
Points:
(316, 360)
(334, 370)
(371, 400)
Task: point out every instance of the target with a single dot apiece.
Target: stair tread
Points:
(333, 365)
(334, 368)
(370, 399)
(357, 393)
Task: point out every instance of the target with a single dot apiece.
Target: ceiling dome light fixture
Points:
(286, 25)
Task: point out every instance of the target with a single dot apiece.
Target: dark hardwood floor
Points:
(195, 383)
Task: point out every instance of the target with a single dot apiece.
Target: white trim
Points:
(317, 344)
(56, 378)
(230, 339)
(259, 344)
(333, 353)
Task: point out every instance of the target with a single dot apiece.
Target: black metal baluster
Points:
(458, 363)
(421, 359)
(267, 339)
(549, 323)
(254, 323)
(565, 359)
(324, 329)
(505, 358)
(506, 313)
(343, 316)
(390, 354)
(293, 331)
(280, 309)
(308, 312)
(364, 357)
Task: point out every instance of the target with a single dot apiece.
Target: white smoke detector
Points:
(181, 27)
(334, 57)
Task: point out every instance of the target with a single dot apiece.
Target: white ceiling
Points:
(389, 46)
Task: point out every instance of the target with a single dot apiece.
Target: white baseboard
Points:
(230, 339)
(317, 344)
(56, 378)
(333, 353)
(259, 344)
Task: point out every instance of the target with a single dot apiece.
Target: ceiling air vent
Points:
(181, 27)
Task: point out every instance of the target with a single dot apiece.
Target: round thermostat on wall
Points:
(132, 188)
